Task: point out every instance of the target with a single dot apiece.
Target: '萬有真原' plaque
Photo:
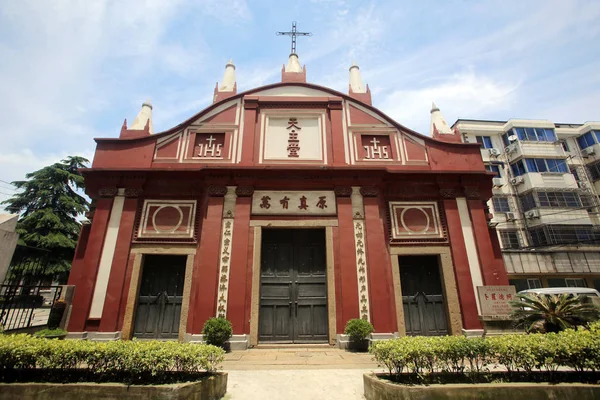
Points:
(297, 202)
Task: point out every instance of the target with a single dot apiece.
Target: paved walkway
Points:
(296, 373)
(297, 358)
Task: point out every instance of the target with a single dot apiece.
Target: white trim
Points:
(470, 246)
(106, 259)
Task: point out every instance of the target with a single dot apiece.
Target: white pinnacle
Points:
(437, 120)
(293, 64)
(228, 83)
(356, 82)
(143, 118)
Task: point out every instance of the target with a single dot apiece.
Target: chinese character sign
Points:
(293, 202)
(494, 300)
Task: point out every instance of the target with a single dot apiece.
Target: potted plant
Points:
(56, 314)
(358, 330)
(217, 332)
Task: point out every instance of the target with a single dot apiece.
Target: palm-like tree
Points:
(552, 313)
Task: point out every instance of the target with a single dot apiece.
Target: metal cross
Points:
(293, 33)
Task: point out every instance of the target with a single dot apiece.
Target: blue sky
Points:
(73, 70)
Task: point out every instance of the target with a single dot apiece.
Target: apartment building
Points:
(545, 204)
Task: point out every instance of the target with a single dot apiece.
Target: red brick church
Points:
(288, 209)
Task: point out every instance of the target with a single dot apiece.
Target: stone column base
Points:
(344, 340)
(95, 336)
(236, 342)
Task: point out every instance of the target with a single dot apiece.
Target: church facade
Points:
(288, 209)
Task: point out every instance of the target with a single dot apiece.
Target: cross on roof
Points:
(293, 33)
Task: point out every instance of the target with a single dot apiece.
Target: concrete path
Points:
(307, 384)
(296, 373)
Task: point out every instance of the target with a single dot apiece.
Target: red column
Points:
(346, 280)
(337, 133)
(381, 286)
(203, 295)
(116, 291)
(240, 257)
(86, 262)
(248, 147)
(464, 282)
(492, 264)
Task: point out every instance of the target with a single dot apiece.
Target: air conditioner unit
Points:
(588, 151)
(532, 214)
(494, 152)
(517, 180)
(497, 182)
(510, 148)
(510, 216)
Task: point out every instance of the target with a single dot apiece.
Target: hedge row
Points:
(122, 360)
(575, 349)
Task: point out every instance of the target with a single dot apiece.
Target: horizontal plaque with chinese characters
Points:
(309, 202)
(494, 300)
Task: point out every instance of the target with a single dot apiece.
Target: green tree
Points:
(552, 313)
(48, 204)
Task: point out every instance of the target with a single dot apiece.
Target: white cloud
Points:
(462, 95)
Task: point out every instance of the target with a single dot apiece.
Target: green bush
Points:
(118, 361)
(217, 331)
(358, 329)
(50, 332)
(576, 349)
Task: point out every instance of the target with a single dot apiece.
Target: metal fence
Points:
(27, 294)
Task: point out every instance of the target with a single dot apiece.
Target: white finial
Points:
(438, 121)
(356, 82)
(228, 83)
(293, 64)
(143, 118)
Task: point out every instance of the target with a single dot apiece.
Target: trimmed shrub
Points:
(358, 329)
(575, 349)
(217, 331)
(119, 361)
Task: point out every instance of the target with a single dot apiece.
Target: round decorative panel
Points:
(167, 219)
(415, 220)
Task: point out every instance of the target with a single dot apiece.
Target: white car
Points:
(592, 294)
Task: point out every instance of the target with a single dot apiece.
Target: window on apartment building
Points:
(510, 239)
(565, 146)
(524, 284)
(594, 170)
(562, 234)
(567, 282)
(485, 142)
(518, 168)
(534, 134)
(597, 284)
(528, 201)
(500, 204)
(539, 165)
(494, 168)
(586, 140)
(546, 165)
(575, 174)
(559, 199)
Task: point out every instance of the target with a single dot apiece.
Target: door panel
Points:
(158, 310)
(422, 296)
(293, 289)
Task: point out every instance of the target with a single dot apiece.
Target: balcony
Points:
(541, 180)
(521, 149)
(557, 216)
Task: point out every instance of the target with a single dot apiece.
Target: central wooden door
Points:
(158, 309)
(293, 286)
(422, 296)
